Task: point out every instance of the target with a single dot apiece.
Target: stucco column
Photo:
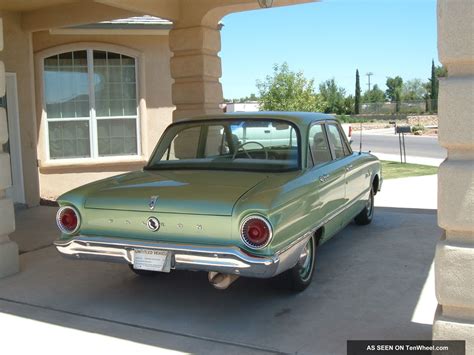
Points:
(8, 249)
(454, 260)
(196, 69)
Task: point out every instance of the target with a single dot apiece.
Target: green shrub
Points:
(418, 129)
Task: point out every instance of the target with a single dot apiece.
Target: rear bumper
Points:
(228, 259)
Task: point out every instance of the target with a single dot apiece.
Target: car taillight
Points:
(68, 219)
(256, 232)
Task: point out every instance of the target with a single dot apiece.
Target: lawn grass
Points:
(393, 170)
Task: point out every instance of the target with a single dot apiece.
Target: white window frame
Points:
(94, 150)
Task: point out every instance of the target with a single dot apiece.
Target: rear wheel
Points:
(299, 277)
(366, 215)
(146, 273)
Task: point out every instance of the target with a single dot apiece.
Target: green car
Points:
(243, 194)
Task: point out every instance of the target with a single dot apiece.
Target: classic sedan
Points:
(243, 194)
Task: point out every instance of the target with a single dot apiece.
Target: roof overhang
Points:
(140, 25)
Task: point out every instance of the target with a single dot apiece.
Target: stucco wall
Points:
(17, 56)
(154, 83)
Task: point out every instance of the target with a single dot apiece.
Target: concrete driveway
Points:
(371, 282)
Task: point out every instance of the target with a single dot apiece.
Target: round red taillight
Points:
(256, 232)
(67, 220)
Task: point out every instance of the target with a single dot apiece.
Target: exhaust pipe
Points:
(221, 281)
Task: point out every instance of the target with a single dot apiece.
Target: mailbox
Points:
(403, 129)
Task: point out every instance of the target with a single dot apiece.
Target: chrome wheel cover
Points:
(307, 260)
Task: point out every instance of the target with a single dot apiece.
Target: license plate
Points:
(153, 260)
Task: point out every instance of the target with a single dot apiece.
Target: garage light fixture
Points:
(265, 3)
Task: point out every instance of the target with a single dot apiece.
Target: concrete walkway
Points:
(410, 159)
(371, 282)
(418, 192)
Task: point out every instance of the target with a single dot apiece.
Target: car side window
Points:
(318, 145)
(336, 141)
(185, 144)
(346, 145)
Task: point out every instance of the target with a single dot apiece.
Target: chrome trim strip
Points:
(230, 260)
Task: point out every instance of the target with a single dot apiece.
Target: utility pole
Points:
(369, 74)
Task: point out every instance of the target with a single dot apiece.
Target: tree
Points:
(252, 97)
(286, 90)
(433, 87)
(374, 95)
(332, 96)
(357, 94)
(394, 88)
(413, 90)
(394, 91)
(349, 104)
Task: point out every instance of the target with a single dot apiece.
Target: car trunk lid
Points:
(177, 191)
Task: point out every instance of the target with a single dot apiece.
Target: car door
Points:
(327, 176)
(355, 174)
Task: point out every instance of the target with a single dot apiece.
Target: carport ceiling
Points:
(28, 5)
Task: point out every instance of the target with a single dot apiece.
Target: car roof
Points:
(298, 118)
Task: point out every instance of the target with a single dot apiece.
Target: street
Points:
(386, 143)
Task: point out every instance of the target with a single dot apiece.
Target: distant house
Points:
(250, 106)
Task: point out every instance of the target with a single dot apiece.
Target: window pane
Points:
(130, 107)
(69, 139)
(335, 139)
(215, 142)
(184, 145)
(115, 74)
(126, 60)
(51, 61)
(53, 110)
(318, 145)
(100, 58)
(129, 91)
(65, 59)
(68, 109)
(102, 108)
(113, 58)
(117, 137)
(115, 84)
(246, 144)
(80, 58)
(115, 91)
(82, 108)
(129, 74)
(116, 108)
(66, 85)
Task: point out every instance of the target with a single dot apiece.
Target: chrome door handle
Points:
(349, 167)
(324, 178)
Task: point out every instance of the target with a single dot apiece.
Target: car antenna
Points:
(360, 139)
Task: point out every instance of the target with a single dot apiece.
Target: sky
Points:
(330, 39)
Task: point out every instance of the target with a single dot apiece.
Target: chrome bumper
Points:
(229, 260)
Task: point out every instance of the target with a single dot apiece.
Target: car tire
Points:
(299, 277)
(146, 273)
(366, 215)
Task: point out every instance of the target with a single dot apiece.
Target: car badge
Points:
(153, 224)
(152, 202)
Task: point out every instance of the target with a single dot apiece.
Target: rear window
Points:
(248, 144)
